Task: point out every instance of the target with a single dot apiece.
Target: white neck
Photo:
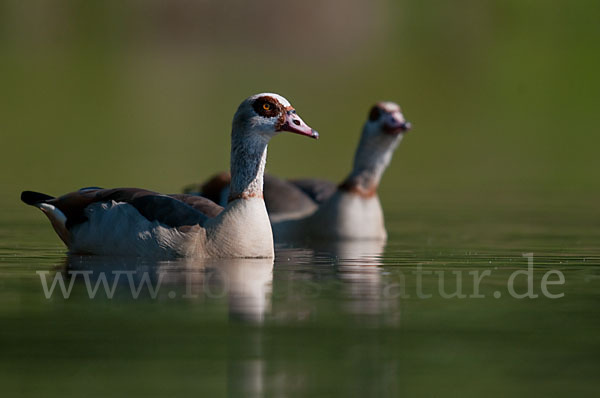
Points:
(372, 158)
(242, 229)
(248, 160)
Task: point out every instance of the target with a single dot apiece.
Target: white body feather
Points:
(242, 230)
(116, 228)
(344, 216)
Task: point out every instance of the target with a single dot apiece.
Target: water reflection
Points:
(354, 270)
(351, 272)
(324, 326)
(358, 267)
(244, 283)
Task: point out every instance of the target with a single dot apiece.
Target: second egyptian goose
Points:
(309, 209)
(137, 222)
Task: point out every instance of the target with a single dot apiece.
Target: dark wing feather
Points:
(200, 203)
(174, 211)
(317, 190)
(281, 196)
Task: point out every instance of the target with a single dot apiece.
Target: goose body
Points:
(138, 222)
(312, 209)
(344, 216)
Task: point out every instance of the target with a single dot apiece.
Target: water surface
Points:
(344, 319)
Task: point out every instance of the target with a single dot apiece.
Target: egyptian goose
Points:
(308, 209)
(133, 221)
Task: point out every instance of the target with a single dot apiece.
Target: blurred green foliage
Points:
(503, 95)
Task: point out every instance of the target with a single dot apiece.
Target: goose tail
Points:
(34, 198)
(55, 215)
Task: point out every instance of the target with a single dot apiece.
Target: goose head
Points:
(268, 114)
(257, 120)
(382, 132)
(386, 118)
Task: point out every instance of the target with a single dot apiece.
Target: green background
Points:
(503, 95)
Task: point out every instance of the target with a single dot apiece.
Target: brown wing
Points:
(174, 211)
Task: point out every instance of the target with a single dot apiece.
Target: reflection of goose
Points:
(352, 252)
(357, 264)
(312, 209)
(246, 283)
(137, 222)
(358, 267)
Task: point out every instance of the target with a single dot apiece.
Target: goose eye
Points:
(266, 107)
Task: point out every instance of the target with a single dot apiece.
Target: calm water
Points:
(328, 320)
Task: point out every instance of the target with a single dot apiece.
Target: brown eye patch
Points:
(375, 113)
(267, 106)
